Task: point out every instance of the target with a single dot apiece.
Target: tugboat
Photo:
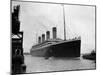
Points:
(18, 65)
(57, 47)
(91, 56)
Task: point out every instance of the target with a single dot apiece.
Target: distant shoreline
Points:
(26, 53)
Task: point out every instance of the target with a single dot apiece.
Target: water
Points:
(39, 64)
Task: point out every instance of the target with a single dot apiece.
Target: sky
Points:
(37, 18)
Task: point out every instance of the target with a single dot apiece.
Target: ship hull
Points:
(63, 49)
(67, 49)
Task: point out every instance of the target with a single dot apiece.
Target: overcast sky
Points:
(37, 18)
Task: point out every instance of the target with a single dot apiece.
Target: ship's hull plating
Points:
(64, 49)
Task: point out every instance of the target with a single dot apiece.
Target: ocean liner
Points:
(56, 47)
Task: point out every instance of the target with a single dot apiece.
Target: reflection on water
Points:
(39, 64)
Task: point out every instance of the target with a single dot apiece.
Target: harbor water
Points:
(40, 64)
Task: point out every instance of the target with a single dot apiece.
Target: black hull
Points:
(63, 49)
(67, 49)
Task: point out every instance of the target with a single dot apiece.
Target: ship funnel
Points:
(47, 35)
(39, 39)
(54, 32)
(43, 37)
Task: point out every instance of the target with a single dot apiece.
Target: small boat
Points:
(91, 56)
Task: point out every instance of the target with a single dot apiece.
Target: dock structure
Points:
(18, 65)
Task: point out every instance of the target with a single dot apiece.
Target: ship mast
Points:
(36, 38)
(64, 22)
